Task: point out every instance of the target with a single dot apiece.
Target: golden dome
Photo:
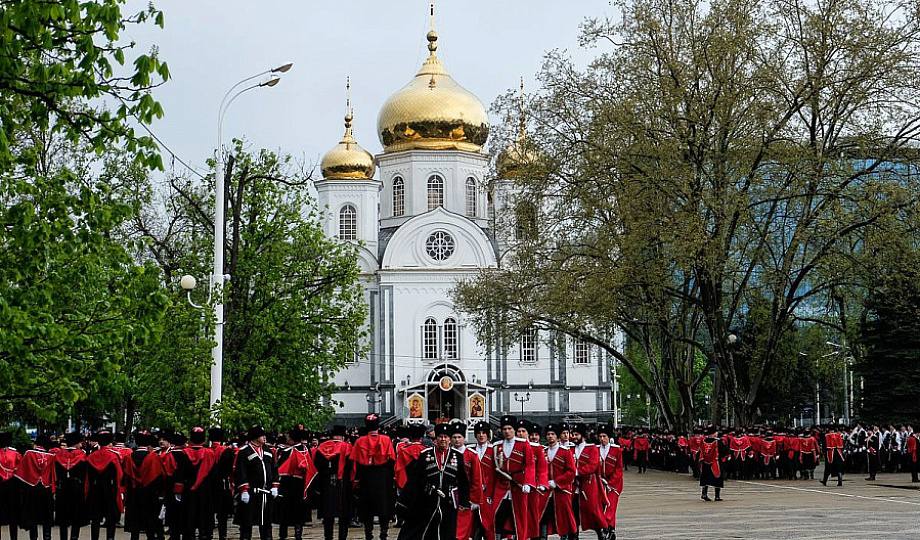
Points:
(347, 160)
(520, 153)
(515, 157)
(433, 112)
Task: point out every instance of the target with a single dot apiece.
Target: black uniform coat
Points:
(332, 486)
(71, 470)
(254, 473)
(435, 489)
(291, 507)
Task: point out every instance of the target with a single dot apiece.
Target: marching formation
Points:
(523, 482)
(168, 485)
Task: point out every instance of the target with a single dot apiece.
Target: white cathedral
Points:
(424, 222)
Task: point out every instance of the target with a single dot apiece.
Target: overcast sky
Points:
(487, 45)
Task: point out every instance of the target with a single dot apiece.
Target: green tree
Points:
(714, 156)
(294, 307)
(58, 57)
(74, 300)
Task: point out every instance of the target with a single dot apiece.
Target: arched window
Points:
(450, 339)
(435, 192)
(525, 221)
(348, 223)
(582, 352)
(430, 339)
(399, 197)
(529, 345)
(471, 197)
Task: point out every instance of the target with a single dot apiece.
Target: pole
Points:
(616, 388)
(846, 395)
(217, 352)
(817, 403)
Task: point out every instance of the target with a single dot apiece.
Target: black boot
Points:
(718, 494)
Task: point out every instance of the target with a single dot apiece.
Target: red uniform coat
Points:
(767, 450)
(610, 474)
(833, 443)
(474, 475)
(519, 466)
(912, 447)
(538, 497)
(486, 508)
(590, 492)
(641, 445)
(739, 446)
(561, 470)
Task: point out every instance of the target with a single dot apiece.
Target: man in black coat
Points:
(70, 468)
(103, 500)
(256, 481)
(436, 488)
(333, 483)
(224, 455)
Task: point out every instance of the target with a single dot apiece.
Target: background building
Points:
(426, 220)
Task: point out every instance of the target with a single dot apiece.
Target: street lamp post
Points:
(846, 381)
(616, 396)
(522, 399)
(217, 277)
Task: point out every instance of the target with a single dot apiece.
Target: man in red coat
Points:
(536, 499)
(558, 518)
(610, 473)
(513, 475)
(465, 516)
(483, 521)
(589, 498)
(641, 448)
(833, 447)
(913, 455)
(373, 459)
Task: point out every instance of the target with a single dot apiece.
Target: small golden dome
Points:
(513, 159)
(520, 153)
(433, 112)
(347, 160)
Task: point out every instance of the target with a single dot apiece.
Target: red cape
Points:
(373, 449)
(100, 460)
(70, 458)
(299, 465)
(710, 456)
(9, 461)
(37, 468)
(408, 453)
(329, 449)
(203, 458)
(150, 470)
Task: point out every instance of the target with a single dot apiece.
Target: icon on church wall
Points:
(446, 383)
(477, 406)
(416, 406)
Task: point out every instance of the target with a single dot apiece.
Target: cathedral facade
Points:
(423, 212)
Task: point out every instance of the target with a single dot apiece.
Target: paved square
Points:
(659, 505)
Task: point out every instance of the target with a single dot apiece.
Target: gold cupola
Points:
(433, 111)
(347, 160)
(519, 154)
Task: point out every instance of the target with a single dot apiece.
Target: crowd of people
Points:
(524, 481)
